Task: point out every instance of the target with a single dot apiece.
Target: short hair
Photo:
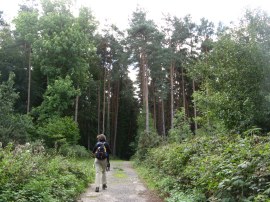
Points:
(101, 137)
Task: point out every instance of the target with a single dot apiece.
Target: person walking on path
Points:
(101, 151)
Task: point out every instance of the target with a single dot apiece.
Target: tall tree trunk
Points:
(154, 113)
(108, 108)
(88, 126)
(88, 141)
(29, 81)
(163, 118)
(104, 102)
(113, 109)
(98, 107)
(116, 117)
(172, 97)
(142, 71)
(145, 90)
(87, 129)
(183, 89)
(146, 104)
(207, 94)
(194, 107)
(76, 108)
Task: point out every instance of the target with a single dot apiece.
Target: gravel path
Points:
(123, 186)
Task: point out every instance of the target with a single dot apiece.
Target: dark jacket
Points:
(108, 149)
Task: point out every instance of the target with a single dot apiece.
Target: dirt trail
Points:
(123, 186)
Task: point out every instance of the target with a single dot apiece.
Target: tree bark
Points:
(29, 81)
(183, 89)
(172, 97)
(76, 108)
(104, 102)
(116, 118)
(163, 118)
(113, 110)
(194, 107)
(99, 107)
(154, 106)
(88, 141)
(88, 127)
(145, 87)
(108, 107)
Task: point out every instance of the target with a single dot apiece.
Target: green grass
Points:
(144, 173)
(119, 172)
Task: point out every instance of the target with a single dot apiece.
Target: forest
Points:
(195, 121)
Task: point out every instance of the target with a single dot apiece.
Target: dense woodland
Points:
(64, 80)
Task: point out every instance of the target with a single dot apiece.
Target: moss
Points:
(119, 173)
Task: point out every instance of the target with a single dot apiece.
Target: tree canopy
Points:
(210, 80)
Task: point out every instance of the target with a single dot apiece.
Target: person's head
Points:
(101, 138)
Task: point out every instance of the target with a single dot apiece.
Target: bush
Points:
(32, 177)
(13, 126)
(181, 128)
(145, 140)
(219, 168)
(60, 131)
(74, 151)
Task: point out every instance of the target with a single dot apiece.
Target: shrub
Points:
(74, 151)
(181, 128)
(13, 126)
(219, 168)
(145, 140)
(60, 131)
(32, 177)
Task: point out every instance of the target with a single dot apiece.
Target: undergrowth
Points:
(218, 168)
(29, 177)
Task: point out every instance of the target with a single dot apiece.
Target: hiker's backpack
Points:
(101, 152)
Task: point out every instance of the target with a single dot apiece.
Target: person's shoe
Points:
(97, 189)
(104, 186)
